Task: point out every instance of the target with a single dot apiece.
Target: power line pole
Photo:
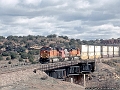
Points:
(84, 81)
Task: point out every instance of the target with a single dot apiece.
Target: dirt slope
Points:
(39, 81)
(104, 76)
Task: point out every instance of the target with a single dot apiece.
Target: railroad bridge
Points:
(68, 69)
(58, 70)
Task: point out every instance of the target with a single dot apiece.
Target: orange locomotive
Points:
(48, 54)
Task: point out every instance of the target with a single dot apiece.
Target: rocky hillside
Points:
(106, 75)
(15, 49)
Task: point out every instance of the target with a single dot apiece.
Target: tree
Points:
(13, 55)
(29, 44)
(13, 38)
(10, 37)
(101, 41)
(9, 48)
(20, 49)
(9, 45)
(5, 53)
(1, 58)
(34, 52)
(1, 37)
(78, 41)
(66, 44)
(9, 62)
(64, 37)
(31, 58)
(24, 40)
(20, 59)
(84, 42)
(52, 45)
(30, 37)
(1, 46)
(8, 58)
(52, 36)
(72, 42)
(91, 42)
(37, 52)
(24, 55)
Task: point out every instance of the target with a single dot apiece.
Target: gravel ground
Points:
(40, 81)
(104, 77)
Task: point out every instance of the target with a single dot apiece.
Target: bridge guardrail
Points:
(58, 65)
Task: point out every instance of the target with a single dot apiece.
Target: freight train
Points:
(84, 53)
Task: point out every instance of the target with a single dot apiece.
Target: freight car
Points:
(85, 52)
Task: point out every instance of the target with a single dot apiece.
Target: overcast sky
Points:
(83, 19)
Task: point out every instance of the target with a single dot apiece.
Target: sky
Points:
(80, 19)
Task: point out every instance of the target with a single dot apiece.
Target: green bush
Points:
(20, 49)
(31, 58)
(21, 60)
(13, 55)
(5, 53)
(34, 52)
(1, 58)
(9, 62)
(8, 58)
(24, 55)
(110, 63)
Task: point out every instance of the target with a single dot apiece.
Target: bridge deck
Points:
(44, 67)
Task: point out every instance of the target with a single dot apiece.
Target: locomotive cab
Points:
(44, 54)
(74, 54)
(48, 54)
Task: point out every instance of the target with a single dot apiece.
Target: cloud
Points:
(32, 2)
(8, 3)
(83, 19)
